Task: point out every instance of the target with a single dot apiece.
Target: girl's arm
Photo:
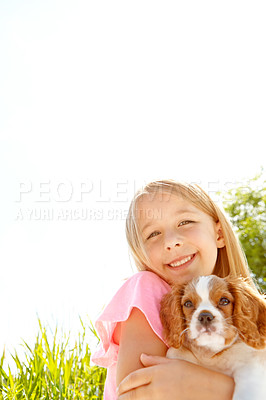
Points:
(174, 380)
(163, 378)
(135, 336)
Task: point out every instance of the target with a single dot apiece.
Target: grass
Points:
(53, 370)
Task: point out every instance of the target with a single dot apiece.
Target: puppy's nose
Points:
(205, 317)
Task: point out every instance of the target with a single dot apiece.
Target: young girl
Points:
(175, 233)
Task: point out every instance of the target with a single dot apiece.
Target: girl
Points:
(175, 233)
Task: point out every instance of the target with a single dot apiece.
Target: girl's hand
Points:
(165, 378)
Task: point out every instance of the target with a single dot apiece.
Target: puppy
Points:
(219, 323)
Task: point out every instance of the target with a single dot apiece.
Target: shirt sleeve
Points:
(144, 291)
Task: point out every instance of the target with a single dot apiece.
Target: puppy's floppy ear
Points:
(172, 317)
(249, 315)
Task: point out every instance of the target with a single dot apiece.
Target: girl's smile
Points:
(181, 261)
(180, 240)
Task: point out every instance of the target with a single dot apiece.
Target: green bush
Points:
(246, 206)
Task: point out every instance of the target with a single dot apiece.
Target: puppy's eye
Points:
(224, 301)
(188, 304)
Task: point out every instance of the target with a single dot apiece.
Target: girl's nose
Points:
(173, 241)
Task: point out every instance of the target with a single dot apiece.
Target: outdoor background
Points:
(98, 98)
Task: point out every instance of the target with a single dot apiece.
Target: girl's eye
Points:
(224, 301)
(155, 233)
(188, 304)
(185, 222)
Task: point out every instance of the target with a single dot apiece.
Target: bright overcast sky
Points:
(97, 98)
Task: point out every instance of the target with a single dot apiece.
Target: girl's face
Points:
(181, 241)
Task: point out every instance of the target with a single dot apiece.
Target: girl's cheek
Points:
(148, 246)
(193, 233)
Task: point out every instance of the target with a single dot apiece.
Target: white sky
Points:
(103, 96)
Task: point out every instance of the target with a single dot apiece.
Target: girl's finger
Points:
(149, 361)
(141, 393)
(137, 378)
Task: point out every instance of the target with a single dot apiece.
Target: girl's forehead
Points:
(158, 205)
(163, 200)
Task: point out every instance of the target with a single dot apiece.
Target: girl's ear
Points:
(219, 236)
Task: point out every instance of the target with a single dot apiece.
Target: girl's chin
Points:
(180, 280)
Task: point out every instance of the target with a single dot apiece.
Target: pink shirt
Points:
(144, 290)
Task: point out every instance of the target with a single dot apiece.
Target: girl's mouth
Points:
(182, 262)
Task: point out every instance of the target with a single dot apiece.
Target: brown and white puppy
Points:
(219, 323)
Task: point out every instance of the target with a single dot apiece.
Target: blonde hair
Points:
(231, 259)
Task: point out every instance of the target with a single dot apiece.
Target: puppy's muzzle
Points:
(205, 318)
